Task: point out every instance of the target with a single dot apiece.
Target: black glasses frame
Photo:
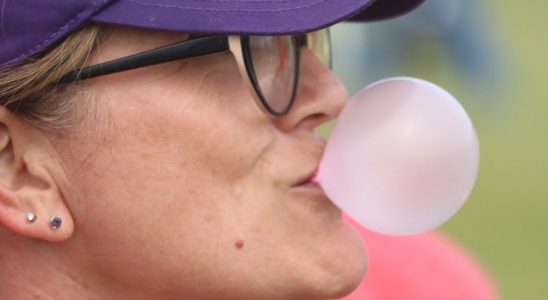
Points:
(204, 45)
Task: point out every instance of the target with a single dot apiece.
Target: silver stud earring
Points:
(31, 217)
(55, 222)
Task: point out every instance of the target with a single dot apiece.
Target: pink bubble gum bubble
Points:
(402, 158)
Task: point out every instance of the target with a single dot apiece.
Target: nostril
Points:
(314, 120)
(317, 116)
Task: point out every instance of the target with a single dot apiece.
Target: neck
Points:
(32, 269)
(29, 271)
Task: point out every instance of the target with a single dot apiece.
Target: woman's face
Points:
(189, 189)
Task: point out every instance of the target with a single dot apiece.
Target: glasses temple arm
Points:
(185, 49)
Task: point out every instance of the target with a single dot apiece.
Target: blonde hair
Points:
(31, 90)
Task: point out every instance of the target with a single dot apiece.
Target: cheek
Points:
(208, 123)
(168, 173)
(192, 140)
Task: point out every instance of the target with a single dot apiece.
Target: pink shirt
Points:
(422, 267)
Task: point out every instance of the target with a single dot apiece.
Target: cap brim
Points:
(256, 17)
(386, 9)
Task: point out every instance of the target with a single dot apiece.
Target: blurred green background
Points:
(497, 65)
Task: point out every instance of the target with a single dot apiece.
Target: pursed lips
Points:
(309, 178)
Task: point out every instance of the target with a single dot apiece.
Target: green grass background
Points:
(505, 221)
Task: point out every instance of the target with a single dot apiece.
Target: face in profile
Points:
(186, 187)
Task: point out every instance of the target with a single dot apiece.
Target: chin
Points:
(342, 266)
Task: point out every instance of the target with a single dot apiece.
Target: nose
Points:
(320, 96)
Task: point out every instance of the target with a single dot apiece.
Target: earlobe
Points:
(31, 202)
(38, 222)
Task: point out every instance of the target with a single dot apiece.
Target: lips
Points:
(307, 179)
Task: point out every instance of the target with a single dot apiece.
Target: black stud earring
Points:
(55, 222)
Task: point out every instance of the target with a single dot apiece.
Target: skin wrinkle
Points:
(28, 285)
(69, 278)
(209, 76)
(22, 280)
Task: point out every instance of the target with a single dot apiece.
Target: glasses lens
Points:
(274, 61)
(319, 42)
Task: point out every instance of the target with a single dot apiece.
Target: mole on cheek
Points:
(239, 244)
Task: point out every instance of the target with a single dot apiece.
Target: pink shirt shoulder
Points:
(428, 266)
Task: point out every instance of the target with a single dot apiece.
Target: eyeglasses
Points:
(269, 64)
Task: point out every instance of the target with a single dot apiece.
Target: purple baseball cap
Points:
(28, 27)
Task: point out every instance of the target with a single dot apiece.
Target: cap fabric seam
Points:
(223, 10)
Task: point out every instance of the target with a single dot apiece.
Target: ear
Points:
(31, 177)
